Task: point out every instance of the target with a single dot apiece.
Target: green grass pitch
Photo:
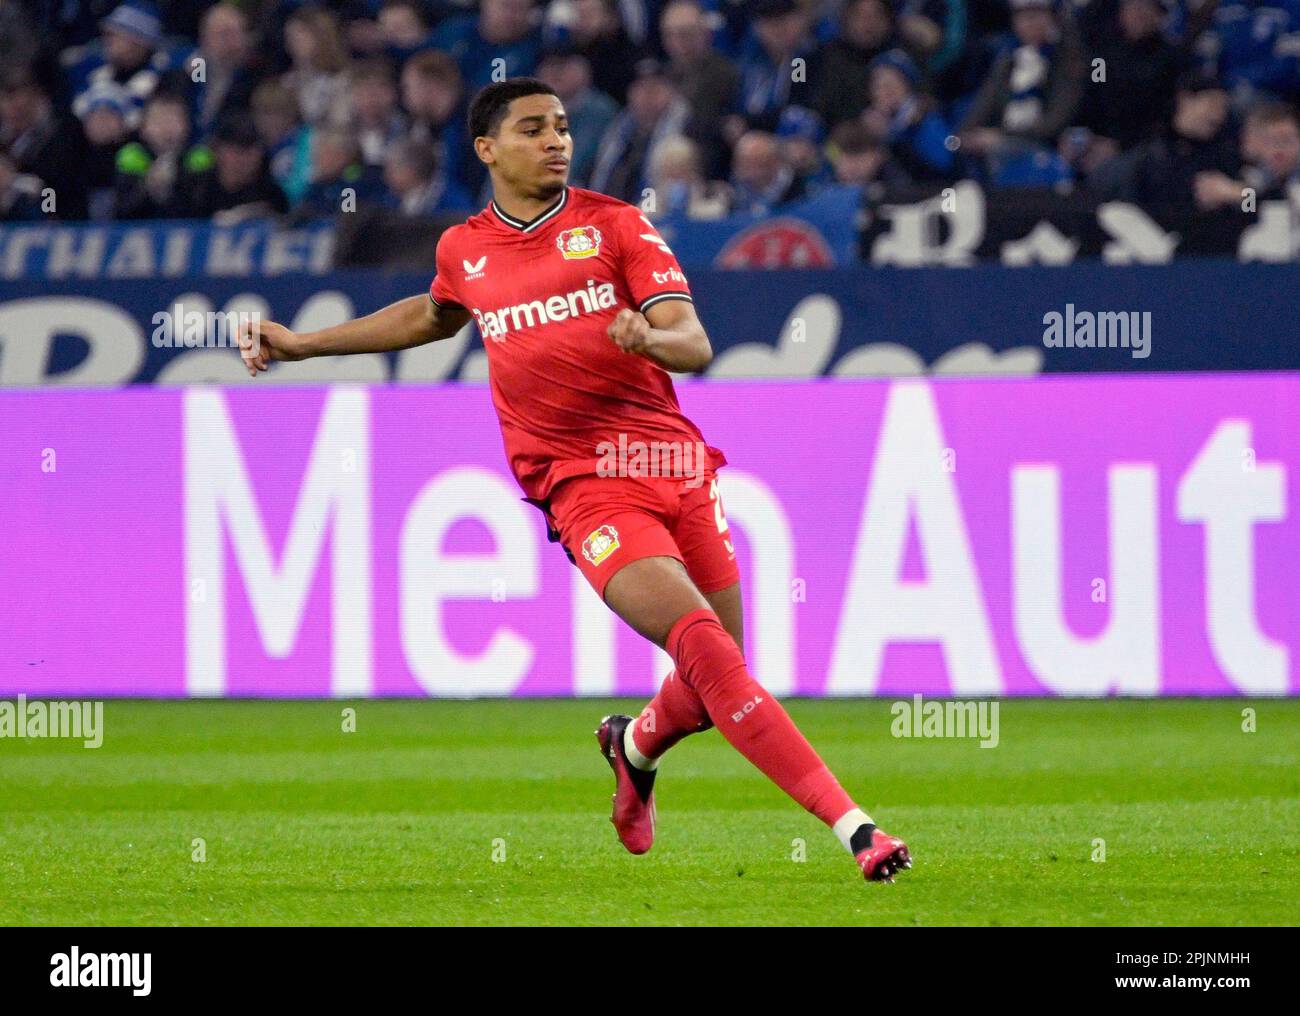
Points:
(496, 812)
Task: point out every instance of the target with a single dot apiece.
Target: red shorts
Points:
(606, 522)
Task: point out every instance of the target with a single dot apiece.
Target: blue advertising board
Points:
(1198, 314)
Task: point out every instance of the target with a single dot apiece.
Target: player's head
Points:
(521, 133)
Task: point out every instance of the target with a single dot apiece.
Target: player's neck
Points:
(524, 207)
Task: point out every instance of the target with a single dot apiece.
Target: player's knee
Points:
(707, 658)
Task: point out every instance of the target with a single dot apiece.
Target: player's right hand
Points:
(260, 342)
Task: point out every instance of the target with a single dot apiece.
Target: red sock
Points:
(756, 724)
(672, 714)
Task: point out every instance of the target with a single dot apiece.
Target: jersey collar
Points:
(537, 221)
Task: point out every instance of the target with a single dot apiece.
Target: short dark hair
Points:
(492, 102)
(852, 137)
(435, 65)
(1269, 112)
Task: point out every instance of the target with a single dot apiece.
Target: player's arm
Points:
(401, 325)
(669, 333)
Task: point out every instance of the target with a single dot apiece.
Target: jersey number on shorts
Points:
(717, 513)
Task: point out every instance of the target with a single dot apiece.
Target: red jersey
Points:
(543, 292)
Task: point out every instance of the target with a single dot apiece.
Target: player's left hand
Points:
(629, 330)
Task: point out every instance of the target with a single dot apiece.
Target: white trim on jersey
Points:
(528, 227)
(650, 301)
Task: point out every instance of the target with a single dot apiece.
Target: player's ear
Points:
(483, 149)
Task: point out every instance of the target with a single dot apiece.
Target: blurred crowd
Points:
(248, 108)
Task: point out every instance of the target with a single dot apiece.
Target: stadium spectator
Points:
(1270, 147)
(679, 186)
(238, 185)
(404, 29)
(857, 156)
(841, 67)
(760, 179)
(596, 31)
(44, 143)
(286, 140)
(1135, 97)
(108, 116)
(221, 73)
(933, 32)
(502, 41)
(362, 35)
(433, 97)
(130, 54)
(590, 110)
(20, 193)
(340, 178)
(799, 136)
(706, 79)
(1256, 49)
(655, 111)
(416, 185)
(916, 133)
(768, 83)
(149, 170)
(1012, 73)
(311, 37)
(1028, 99)
(372, 94)
(1164, 171)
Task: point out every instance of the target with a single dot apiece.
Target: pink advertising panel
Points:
(1063, 535)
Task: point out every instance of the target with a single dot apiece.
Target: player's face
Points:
(532, 149)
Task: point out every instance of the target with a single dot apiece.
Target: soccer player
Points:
(583, 311)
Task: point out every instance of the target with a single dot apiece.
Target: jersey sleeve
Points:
(440, 290)
(649, 266)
